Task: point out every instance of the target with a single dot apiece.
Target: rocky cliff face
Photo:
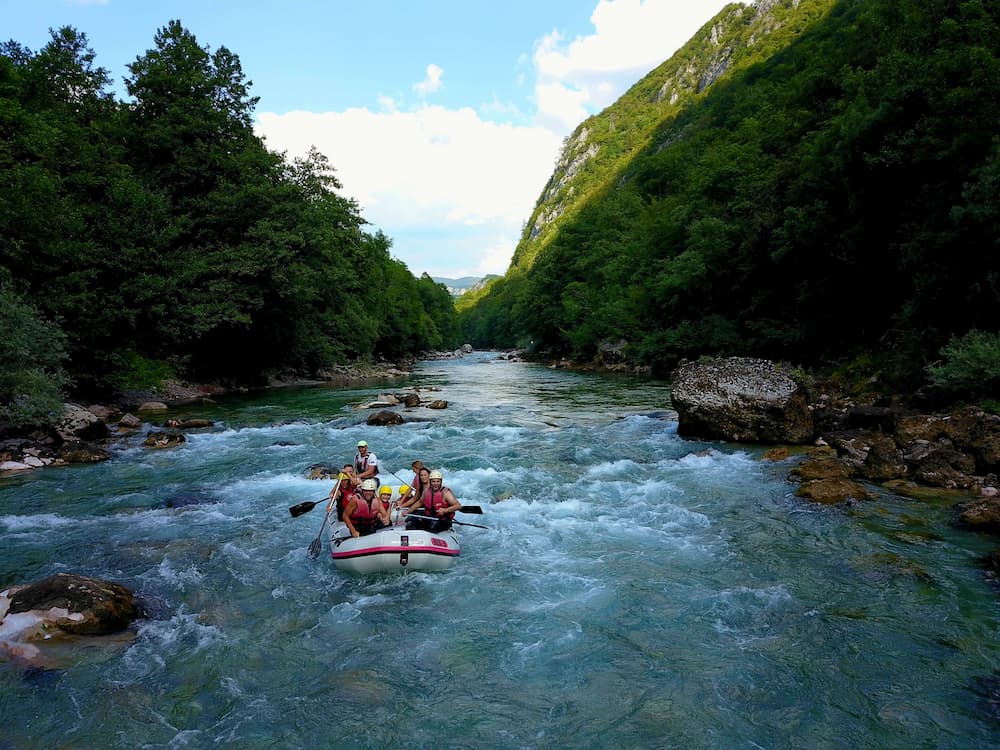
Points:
(595, 155)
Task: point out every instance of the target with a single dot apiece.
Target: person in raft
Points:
(420, 484)
(438, 502)
(366, 464)
(343, 491)
(365, 512)
(404, 495)
(385, 497)
(417, 466)
(386, 493)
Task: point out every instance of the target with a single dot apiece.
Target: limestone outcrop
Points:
(740, 399)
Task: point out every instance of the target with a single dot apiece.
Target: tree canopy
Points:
(161, 234)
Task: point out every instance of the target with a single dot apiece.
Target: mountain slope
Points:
(601, 145)
(839, 198)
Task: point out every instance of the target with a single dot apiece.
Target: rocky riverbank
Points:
(84, 431)
(857, 442)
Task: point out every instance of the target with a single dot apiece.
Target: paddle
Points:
(298, 510)
(318, 541)
(457, 523)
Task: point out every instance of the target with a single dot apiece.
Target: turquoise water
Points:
(633, 589)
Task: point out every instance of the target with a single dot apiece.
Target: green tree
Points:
(31, 358)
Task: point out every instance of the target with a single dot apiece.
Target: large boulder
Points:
(985, 442)
(78, 423)
(129, 422)
(940, 465)
(884, 460)
(740, 399)
(385, 418)
(72, 603)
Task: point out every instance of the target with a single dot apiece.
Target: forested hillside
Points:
(160, 237)
(832, 195)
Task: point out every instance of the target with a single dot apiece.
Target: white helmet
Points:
(436, 475)
(369, 484)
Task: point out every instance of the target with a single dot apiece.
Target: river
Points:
(632, 589)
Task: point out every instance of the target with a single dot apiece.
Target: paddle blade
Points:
(314, 547)
(298, 510)
(473, 509)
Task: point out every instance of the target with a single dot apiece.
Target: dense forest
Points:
(159, 237)
(812, 181)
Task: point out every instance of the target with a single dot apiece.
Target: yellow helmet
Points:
(342, 476)
(404, 489)
(385, 490)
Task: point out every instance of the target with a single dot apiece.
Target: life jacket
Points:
(363, 512)
(343, 500)
(433, 500)
(361, 464)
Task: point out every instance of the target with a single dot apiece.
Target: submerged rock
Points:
(832, 490)
(322, 471)
(163, 439)
(81, 453)
(67, 602)
(189, 424)
(385, 419)
(183, 500)
(982, 514)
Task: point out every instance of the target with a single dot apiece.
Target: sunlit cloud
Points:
(630, 38)
(432, 82)
(434, 167)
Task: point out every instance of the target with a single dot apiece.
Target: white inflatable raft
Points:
(393, 549)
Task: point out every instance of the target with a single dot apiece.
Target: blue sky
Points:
(443, 118)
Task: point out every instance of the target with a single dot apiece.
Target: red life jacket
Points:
(343, 500)
(363, 511)
(433, 500)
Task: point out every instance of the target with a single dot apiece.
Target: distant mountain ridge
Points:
(458, 287)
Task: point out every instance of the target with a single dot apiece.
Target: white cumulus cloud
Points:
(630, 38)
(432, 82)
(432, 170)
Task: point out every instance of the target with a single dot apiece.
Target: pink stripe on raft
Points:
(395, 551)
